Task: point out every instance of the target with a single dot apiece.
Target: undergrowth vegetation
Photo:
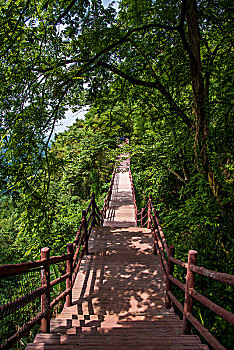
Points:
(159, 72)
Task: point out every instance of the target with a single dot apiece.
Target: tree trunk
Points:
(199, 103)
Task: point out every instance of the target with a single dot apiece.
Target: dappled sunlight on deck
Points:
(118, 299)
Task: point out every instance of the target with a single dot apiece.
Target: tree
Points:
(76, 52)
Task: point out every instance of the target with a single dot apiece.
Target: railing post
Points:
(149, 211)
(188, 302)
(111, 184)
(84, 231)
(93, 223)
(102, 219)
(135, 208)
(108, 196)
(170, 272)
(99, 220)
(142, 211)
(154, 235)
(69, 270)
(45, 298)
(105, 208)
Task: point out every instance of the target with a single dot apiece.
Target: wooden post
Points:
(188, 302)
(149, 211)
(93, 222)
(105, 208)
(102, 219)
(69, 270)
(154, 235)
(98, 218)
(84, 231)
(135, 208)
(142, 212)
(170, 272)
(108, 196)
(45, 298)
(155, 212)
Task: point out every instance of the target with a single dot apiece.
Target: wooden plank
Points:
(119, 292)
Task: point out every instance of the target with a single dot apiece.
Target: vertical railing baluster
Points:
(93, 220)
(169, 272)
(190, 281)
(142, 212)
(98, 214)
(69, 270)
(45, 298)
(84, 231)
(154, 235)
(105, 208)
(149, 211)
(102, 218)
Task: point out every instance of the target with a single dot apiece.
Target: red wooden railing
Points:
(148, 216)
(91, 217)
(109, 193)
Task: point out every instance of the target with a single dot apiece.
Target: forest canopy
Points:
(157, 71)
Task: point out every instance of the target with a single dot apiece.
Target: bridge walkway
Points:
(121, 211)
(119, 293)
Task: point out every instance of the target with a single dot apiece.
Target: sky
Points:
(71, 117)
(107, 2)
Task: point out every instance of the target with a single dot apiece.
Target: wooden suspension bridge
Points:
(119, 279)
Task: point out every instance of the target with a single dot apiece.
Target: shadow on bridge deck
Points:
(118, 300)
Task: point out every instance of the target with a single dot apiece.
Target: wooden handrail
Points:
(80, 248)
(168, 261)
(73, 264)
(133, 193)
(226, 315)
(218, 276)
(22, 331)
(59, 280)
(176, 282)
(15, 305)
(178, 262)
(108, 198)
(15, 269)
(161, 231)
(77, 236)
(205, 332)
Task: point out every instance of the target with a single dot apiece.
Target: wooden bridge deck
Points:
(121, 211)
(118, 296)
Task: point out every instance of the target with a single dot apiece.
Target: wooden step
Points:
(113, 342)
(121, 337)
(119, 293)
(118, 300)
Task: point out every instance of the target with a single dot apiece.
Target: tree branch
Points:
(65, 12)
(15, 28)
(177, 175)
(181, 31)
(151, 84)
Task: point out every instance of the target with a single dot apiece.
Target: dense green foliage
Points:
(159, 72)
(81, 163)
